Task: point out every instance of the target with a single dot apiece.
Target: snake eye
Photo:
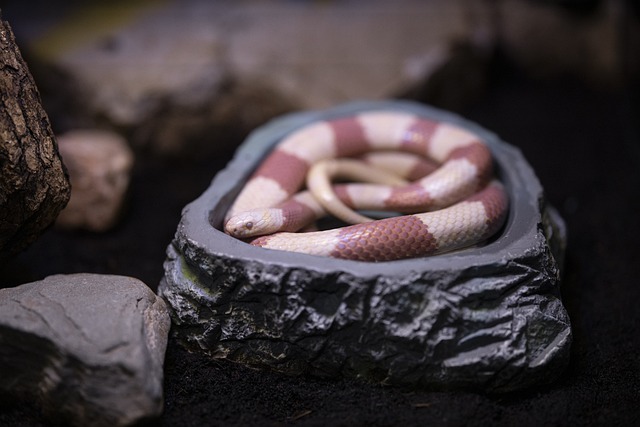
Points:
(248, 225)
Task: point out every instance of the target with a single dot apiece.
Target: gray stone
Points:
(99, 163)
(89, 348)
(488, 317)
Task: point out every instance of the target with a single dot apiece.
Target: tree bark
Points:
(34, 185)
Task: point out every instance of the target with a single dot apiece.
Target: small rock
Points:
(89, 348)
(99, 164)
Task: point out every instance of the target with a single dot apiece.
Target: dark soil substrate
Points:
(583, 143)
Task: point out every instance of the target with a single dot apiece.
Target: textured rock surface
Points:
(99, 164)
(89, 348)
(34, 186)
(487, 317)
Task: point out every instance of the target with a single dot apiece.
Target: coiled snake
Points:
(452, 202)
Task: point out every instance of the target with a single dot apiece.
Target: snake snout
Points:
(245, 224)
(234, 227)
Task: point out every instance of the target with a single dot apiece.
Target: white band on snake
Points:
(452, 199)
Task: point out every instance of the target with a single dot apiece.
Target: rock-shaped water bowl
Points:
(487, 318)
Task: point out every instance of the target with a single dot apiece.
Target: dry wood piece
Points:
(34, 185)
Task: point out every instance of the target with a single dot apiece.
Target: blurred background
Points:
(166, 73)
(182, 82)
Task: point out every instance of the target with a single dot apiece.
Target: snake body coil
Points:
(456, 204)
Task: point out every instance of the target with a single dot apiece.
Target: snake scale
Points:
(451, 199)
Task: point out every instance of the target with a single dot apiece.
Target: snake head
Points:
(257, 222)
